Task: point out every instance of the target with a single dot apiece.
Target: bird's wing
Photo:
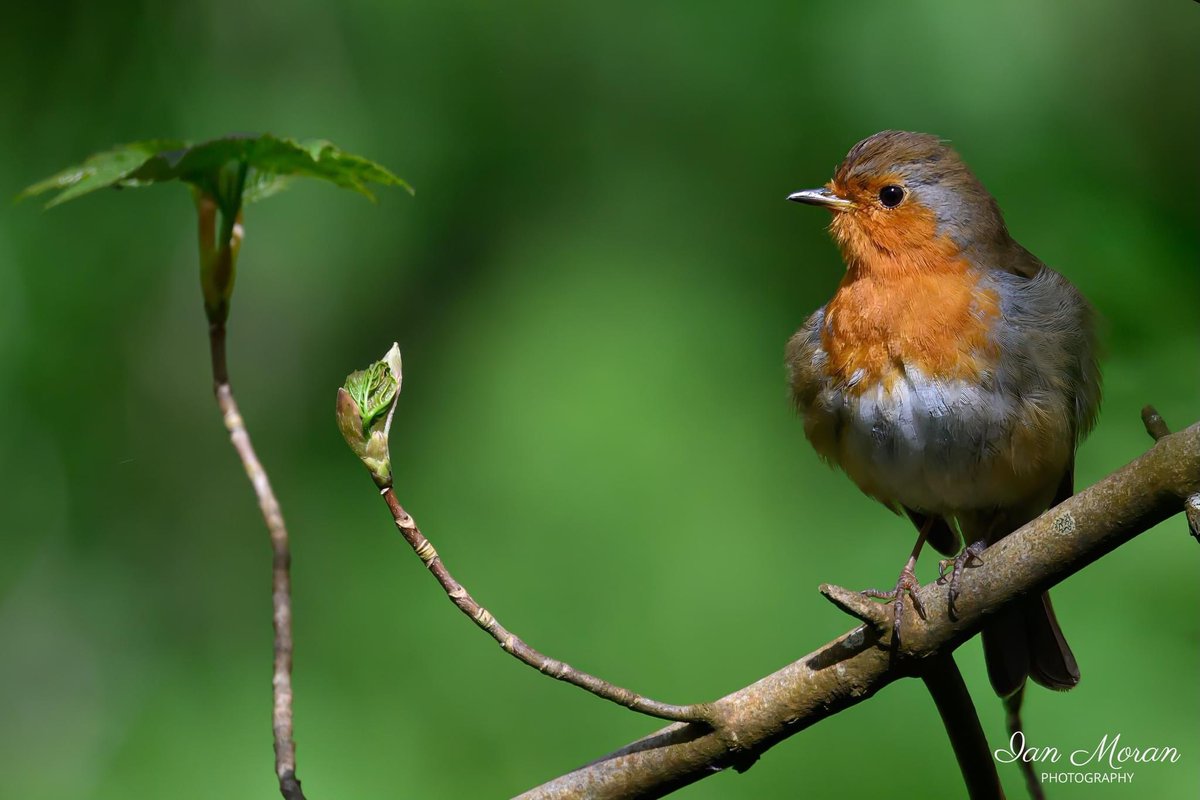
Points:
(1049, 344)
(805, 359)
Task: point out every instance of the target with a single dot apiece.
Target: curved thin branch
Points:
(364, 411)
(281, 561)
(514, 646)
(857, 664)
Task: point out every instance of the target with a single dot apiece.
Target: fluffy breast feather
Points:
(992, 426)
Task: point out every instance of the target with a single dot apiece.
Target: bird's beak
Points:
(821, 197)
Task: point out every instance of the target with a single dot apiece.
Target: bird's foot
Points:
(906, 584)
(969, 557)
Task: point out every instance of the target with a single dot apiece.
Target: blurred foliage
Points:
(592, 290)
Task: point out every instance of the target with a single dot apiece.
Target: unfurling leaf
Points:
(365, 405)
(373, 390)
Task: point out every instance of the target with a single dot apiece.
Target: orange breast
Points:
(883, 321)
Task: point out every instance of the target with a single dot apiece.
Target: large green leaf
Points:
(110, 168)
(269, 160)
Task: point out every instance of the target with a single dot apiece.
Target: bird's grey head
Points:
(895, 178)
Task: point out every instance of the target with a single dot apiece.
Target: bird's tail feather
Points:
(1024, 641)
(1051, 662)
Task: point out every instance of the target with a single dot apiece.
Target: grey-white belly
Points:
(943, 446)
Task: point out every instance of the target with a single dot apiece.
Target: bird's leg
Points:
(969, 557)
(905, 584)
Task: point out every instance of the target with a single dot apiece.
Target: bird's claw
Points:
(906, 584)
(969, 557)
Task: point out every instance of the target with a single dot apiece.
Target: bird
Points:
(951, 376)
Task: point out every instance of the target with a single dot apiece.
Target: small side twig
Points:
(1156, 426)
(854, 604)
(224, 254)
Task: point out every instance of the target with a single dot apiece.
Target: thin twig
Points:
(1156, 426)
(699, 713)
(281, 560)
(949, 691)
(281, 557)
(859, 663)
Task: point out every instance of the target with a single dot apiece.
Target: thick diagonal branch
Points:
(518, 648)
(854, 666)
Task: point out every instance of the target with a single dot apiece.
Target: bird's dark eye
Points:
(891, 196)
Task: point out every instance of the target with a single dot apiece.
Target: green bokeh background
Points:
(592, 288)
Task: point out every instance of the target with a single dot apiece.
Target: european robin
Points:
(951, 376)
